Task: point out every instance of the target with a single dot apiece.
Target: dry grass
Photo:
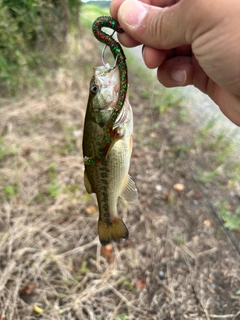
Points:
(175, 266)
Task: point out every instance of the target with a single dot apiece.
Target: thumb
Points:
(161, 28)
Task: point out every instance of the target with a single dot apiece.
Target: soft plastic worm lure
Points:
(120, 62)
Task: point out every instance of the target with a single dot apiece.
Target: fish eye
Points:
(94, 89)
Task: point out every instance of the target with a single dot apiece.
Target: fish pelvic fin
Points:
(87, 183)
(129, 191)
(114, 230)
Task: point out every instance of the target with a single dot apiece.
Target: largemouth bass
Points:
(109, 178)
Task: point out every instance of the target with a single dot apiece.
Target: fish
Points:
(108, 178)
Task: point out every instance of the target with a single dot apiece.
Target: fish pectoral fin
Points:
(115, 139)
(87, 184)
(113, 230)
(120, 132)
(129, 191)
(125, 115)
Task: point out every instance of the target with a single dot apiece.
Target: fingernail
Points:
(132, 12)
(179, 76)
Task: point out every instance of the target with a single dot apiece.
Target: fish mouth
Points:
(105, 77)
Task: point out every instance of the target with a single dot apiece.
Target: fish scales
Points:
(108, 178)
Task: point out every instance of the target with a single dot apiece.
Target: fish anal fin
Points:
(129, 191)
(87, 184)
(114, 230)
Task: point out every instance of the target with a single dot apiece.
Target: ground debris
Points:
(177, 264)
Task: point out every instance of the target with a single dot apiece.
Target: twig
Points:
(128, 303)
(200, 302)
(226, 316)
(6, 274)
(235, 316)
(82, 248)
(206, 313)
(116, 310)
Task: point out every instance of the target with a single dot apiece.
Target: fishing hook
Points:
(103, 52)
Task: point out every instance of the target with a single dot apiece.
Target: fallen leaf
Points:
(179, 187)
(125, 244)
(141, 283)
(167, 196)
(190, 194)
(136, 155)
(91, 209)
(212, 291)
(37, 309)
(1, 317)
(153, 135)
(207, 223)
(111, 259)
(107, 251)
(62, 220)
(198, 195)
(27, 289)
(195, 238)
(27, 151)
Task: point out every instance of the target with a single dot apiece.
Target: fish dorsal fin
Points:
(129, 191)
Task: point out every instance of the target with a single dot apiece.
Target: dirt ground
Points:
(178, 262)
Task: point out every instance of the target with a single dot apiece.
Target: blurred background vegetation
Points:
(33, 36)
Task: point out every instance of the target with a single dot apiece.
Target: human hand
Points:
(190, 42)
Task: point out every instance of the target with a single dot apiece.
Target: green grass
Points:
(180, 240)
(167, 100)
(231, 218)
(90, 12)
(223, 165)
(207, 176)
(122, 316)
(53, 188)
(221, 151)
(84, 269)
(11, 191)
(6, 150)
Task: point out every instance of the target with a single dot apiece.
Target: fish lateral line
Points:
(120, 61)
(109, 141)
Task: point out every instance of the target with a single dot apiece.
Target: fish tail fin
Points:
(113, 230)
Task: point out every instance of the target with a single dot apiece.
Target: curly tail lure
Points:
(117, 51)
